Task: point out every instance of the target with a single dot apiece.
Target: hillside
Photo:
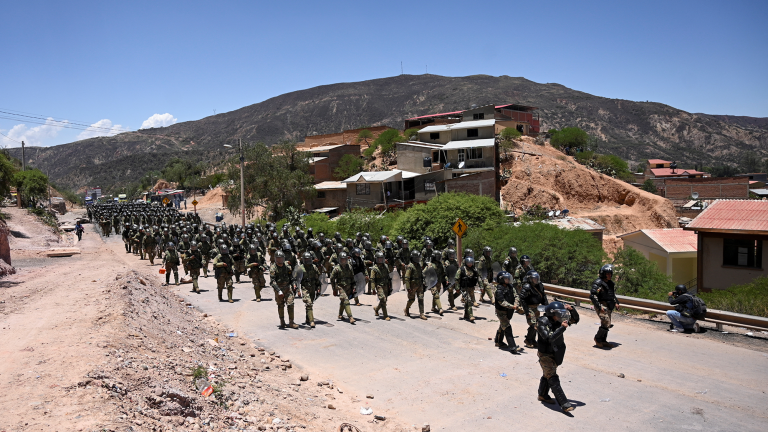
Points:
(632, 130)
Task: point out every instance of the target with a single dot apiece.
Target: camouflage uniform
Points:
(452, 291)
(379, 276)
(171, 263)
(485, 283)
(281, 279)
(441, 281)
(343, 282)
(194, 261)
(223, 265)
(414, 283)
(531, 296)
(466, 278)
(310, 289)
(205, 249)
(255, 264)
(149, 247)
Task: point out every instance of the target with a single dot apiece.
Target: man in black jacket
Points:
(531, 296)
(557, 317)
(682, 317)
(603, 296)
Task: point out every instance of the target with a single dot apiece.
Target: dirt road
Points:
(446, 372)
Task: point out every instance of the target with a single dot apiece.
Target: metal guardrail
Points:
(717, 317)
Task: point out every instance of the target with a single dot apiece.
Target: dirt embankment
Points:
(554, 180)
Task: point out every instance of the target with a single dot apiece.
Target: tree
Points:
(276, 178)
(179, 170)
(507, 138)
(7, 171)
(387, 141)
(636, 276)
(364, 135)
(411, 134)
(750, 162)
(649, 186)
(570, 137)
(31, 184)
(349, 165)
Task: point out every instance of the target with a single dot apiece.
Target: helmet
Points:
(451, 253)
(512, 251)
(504, 277)
(224, 249)
(557, 311)
(307, 258)
(382, 239)
(367, 245)
(379, 257)
(681, 289)
(524, 259)
(388, 245)
(469, 261)
(171, 246)
(316, 244)
(436, 256)
(252, 247)
(367, 236)
(193, 245)
(350, 242)
(204, 238)
(310, 230)
(339, 247)
(356, 252)
(337, 235)
(343, 257)
(428, 244)
(605, 269)
(299, 233)
(487, 250)
(469, 252)
(533, 277)
(451, 243)
(415, 256)
(405, 243)
(359, 235)
(400, 239)
(279, 258)
(185, 237)
(286, 246)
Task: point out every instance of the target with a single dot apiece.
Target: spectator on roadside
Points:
(688, 308)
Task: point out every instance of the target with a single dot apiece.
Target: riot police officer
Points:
(531, 296)
(223, 266)
(557, 317)
(281, 279)
(603, 296)
(467, 277)
(343, 281)
(414, 283)
(310, 285)
(507, 302)
(379, 276)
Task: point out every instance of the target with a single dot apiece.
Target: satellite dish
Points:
(695, 195)
(461, 164)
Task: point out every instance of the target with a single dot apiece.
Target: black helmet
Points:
(405, 243)
(388, 245)
(415, 256)
(171, 246)
(252, 247)
(399, 239)
(279, 258)
(359, 235)
(337, 235)
(487, 250)
(193, 245)
(307, 258)
(286, 246)
(525, 258)
(436, 256)
(383, 239)
(469, 261)
(504, 277)
(451, 254)
(343, 257)
(339, 247)
(533, 277)
(367, 245)
(428, 244)
(512, 251)
(224, 249)
(356, 252)
(350, 242)
(681, 289)
(379, 257)
(557, 311)
(469, 252)
(451, 243)
(605, 269)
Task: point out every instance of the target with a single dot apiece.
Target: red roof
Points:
(667, 172)
(732, 215)
(435, 115)
(674, 239)
(658, 161)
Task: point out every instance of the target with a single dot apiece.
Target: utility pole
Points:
(23, 159)
(242, 182)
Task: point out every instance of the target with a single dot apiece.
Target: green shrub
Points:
(570, 136)
(637, 276)
(750, 298)
(584, 157)
(437, 216)
(566, 257)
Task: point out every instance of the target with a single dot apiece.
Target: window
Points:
(475, 153)
(434, 135)
(743, 253)
(461, 155)
(363, 189)
(320, 194)
(438, 157)
(429, 185)
(478, 116)
(472, 133)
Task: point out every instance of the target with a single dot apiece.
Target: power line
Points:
(9, 138)
(67, 122)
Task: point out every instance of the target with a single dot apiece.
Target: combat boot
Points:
(229, 295)
(281, 314)
(544, 391)
(421, 309)
(530, 338)
(291, 324)
(384, 312)
(513, 348)
(498, 342)
(554, 385)
(349, 313)
(406, 311)
(600, 338)
(220, 292)
(311, 318)
(376, 310)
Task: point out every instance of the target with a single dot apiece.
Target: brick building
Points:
(679, 189)
(325, 160)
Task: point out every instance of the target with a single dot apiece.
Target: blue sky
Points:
(125, 65)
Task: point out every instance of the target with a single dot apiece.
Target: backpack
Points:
(699, 308)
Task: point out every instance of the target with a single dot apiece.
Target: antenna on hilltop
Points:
(214, 111)
(401, 67)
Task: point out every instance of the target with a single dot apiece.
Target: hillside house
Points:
(681, 189)
(325, 160)
(331, 198)
(730, 238)
(658, 168)
(673, 250)
(521, 117)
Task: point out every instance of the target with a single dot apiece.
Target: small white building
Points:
(673, 250)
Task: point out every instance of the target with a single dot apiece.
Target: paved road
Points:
(447, 373)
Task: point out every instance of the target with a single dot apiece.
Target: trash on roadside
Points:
(207, 391)
(366, 411)
(605, 400)
(232, 334)
(162, 271)
(503, 375)
(380, 418)
(750, 334)
(702, 392)
(276, 421)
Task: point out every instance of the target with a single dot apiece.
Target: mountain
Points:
(631, 130)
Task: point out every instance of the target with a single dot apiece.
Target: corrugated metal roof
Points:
(472, 124)
(380, 176)
(760, 192)
(658, 161)
(733, 215)
(436, 128)
(464, 144)
(667, 172)
(673, 239)
(317, 159)
(324, 148)
(435, 115)
(572, 223)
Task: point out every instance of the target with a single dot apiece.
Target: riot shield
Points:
(359, 284)
(396, 283)
(496, 266)
(430, 277)
(298, 274)
(451, 272)
(324, 284)
(483, 270)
